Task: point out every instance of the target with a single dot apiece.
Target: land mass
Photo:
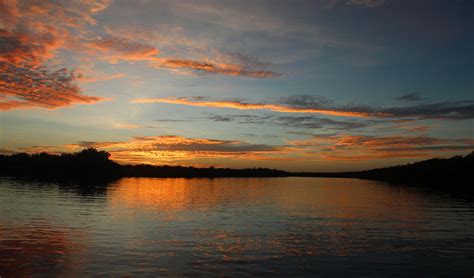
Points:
(91, 164)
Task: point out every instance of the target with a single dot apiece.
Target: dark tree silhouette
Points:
(93, 165)
(88, 164)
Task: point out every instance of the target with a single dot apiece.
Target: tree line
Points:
(92, 165)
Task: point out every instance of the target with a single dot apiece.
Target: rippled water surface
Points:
(232, 227)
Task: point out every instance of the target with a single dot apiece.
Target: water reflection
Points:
(37, 248)
(181, 194)
(266, 226)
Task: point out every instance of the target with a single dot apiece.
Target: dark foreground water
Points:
(234, 227)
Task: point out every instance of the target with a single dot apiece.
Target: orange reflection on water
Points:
(326, 197)
(179, 194)
(348, 198)
(333, 209)
(36, 249)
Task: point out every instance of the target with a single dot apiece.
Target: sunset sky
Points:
(322, 85)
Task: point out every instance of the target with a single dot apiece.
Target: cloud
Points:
(240, 105)
(173, 149)
(126, 126)
(6, 151)
(304, 122)
(367, 3)
(114, 49)
(455, 110)
(27, 87)
(448, 110)
(130, 45)
(363, 147)
(178, 150)
(410, 97)
(30, 35)
(96, 76)
(213, 67)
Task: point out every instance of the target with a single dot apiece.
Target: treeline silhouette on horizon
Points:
(454, 172)
(91, 165)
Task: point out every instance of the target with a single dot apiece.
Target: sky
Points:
(321, 85)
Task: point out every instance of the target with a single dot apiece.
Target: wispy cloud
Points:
(410, 97)
(217, 68)
(139, 46)
(114, 49)
(240, 105)
(126, 126)
(362, 147)
(307, 104)
(290, 121)
(448, 110)
(367, 3)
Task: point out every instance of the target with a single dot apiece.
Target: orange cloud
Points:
(213, 67)
(126, 126)
(30, 35)
(361, 147)
(173, 150)
(25, 87)
(132, 44)
(254, 106)
(114, 49)
(177, 150)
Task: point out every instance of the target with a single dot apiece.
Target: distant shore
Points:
(91, 164)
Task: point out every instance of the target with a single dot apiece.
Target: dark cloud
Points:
(440, 110)
(219, 118)
(410, 97)
(454, 110)
(431, 148)
(306, 122)
(366, 3)
(305, 101)
(247, 60)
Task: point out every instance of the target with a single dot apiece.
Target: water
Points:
(234, 227)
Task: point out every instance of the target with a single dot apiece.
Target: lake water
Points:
(234, 227)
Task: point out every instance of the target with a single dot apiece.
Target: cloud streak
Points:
(456, 110)
(239, 105)
(217, 68)
(290, 121)
(363, 147)
(367, 3)
(127, 45)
